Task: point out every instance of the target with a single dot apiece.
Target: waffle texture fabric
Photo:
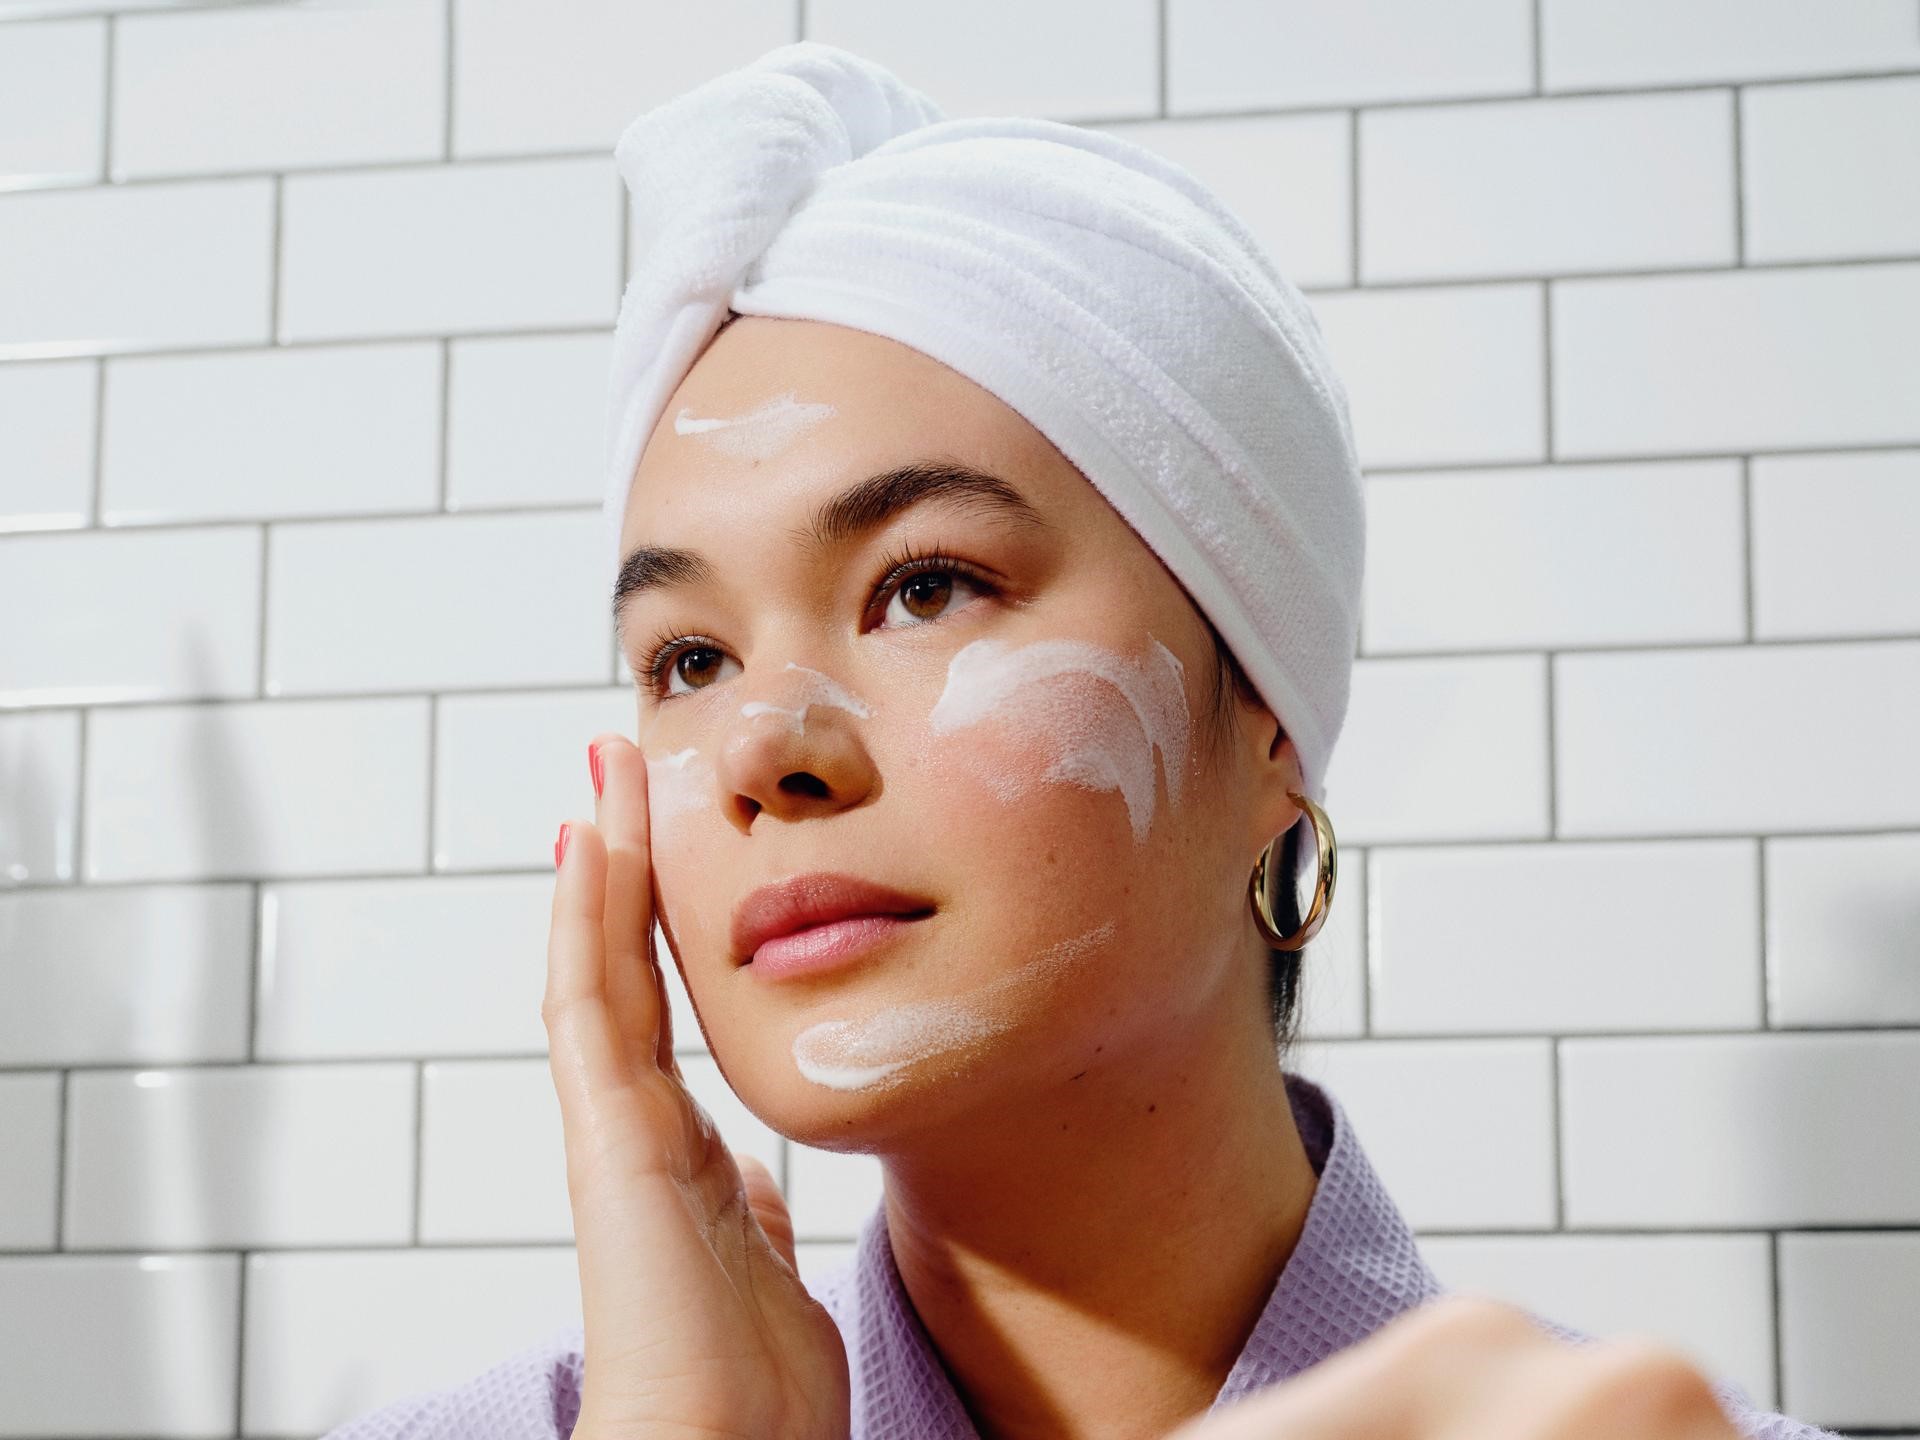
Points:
(1097, 289)
(1357, 1265)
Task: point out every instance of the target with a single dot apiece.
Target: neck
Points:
(1093, 1263)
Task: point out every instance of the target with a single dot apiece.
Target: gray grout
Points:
(1779, 1321)
(1376, 1038)
(1738, 103)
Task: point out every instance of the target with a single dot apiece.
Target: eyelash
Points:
(898, 568)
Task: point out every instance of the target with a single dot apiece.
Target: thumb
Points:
(769, 1206)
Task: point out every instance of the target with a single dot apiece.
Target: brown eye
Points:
(696, 666)
(926, 595)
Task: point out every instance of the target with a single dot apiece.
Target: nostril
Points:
(805, 783)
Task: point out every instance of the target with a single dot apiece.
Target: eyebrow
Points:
(858, 510)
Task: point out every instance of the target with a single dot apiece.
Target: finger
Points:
(584, 1049)
(769, 1206)
(633, 989)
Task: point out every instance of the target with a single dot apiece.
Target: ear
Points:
(1276, 772)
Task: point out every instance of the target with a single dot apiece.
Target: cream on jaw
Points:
(1099, 746)
(875, 1050)
(759, 433)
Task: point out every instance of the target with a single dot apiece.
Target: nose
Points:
(795, 749)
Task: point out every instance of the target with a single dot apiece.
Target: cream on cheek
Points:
(874, 1051)
(1101, 737)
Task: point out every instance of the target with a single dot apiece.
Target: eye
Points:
(931, 586)
(920, 583)
(687, 660)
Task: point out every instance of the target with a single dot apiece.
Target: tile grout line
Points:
(1160, 13)
(1556, 1102)
(447, 77)
(1779, 1319)
(1738, 100)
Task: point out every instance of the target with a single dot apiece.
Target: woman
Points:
(990, 590)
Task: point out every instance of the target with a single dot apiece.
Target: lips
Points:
(817, 898)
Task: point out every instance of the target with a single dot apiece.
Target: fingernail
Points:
(593, 766)
(560, 845)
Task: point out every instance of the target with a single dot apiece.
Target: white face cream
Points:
(877, 1049)
(1103, 739)
(821, 690)
(760, 433)
(677, 783)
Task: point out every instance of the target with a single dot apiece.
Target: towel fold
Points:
(1096, 288)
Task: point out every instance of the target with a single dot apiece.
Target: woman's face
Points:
(1018, 739)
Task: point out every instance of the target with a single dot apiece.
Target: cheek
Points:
(1064, 714)
(679, 806)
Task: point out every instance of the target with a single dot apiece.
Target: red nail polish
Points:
(560, 845)
(593, 767)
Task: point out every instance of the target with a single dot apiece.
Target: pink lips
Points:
(809, 922)
(820, 948)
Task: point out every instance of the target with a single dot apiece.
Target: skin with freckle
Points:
(1030, 758)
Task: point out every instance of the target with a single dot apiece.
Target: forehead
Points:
(776, 414)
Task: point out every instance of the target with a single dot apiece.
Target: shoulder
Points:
(533, 1394)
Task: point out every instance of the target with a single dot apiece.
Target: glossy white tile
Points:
(459, 602)
(1442, 749)
(47, 444)
(830, 1193)
(121, 1344)
(1534, 938)
(1834, 538)
(40, 778)
(1257, 54)
(1849, 1309)
(364, 969)
(1450, 375)
(30, 1139)
(281, 788)
(1699, 741)
(1741, 1130)
(137, 267)
(1590, 43)
(1843, 929)
(124, 974)
(524, 420)
(278, 87)
(1543, 187)
(1069, 60)
(571, 77)
(240, 1156)
(268, 434)
(334, 1334)
(450, 249)
(52, 100)
(102, 619)
(1554, 557)
(1788, 358)
(1461, 1131)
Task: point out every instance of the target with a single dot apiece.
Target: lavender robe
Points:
(1356, 1266)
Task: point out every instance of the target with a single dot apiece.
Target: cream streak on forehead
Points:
(758, 434)
(875, 1050)
(1103, 741)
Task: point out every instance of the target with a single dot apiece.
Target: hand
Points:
(695, 1318)
(1463, 1368)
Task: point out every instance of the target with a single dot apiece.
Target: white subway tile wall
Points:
(301, 642)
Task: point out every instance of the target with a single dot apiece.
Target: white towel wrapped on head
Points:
(1094, 287)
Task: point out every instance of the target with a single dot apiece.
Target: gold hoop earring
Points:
(1325, 850)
